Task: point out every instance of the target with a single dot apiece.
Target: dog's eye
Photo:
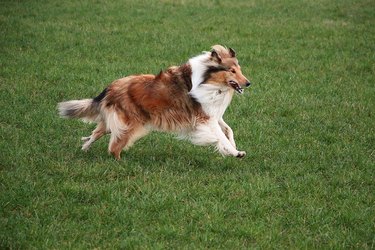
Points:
(233, 71)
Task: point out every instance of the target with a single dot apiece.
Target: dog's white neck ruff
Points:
(213, 98)
(199, 65)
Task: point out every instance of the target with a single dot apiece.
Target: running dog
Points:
(188, 100)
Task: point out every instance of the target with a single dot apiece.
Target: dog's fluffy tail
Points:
(86, 109)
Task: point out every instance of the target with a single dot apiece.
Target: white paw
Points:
(241, 154)
(86, 146)
(87, 143)
(85, 139)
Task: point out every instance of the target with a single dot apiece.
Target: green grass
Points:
(307, 124)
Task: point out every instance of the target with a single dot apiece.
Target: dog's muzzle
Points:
(236, 86)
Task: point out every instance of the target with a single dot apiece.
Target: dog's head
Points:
(225, 61)
(225, 79)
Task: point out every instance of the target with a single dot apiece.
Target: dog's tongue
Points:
(236, 87)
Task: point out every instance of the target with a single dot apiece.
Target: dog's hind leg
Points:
(126, 140)
(98, 132)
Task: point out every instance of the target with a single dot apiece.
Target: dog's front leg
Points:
(224, 145)
(210, 133)
(227, 131)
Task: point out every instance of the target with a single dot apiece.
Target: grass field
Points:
(307, 124)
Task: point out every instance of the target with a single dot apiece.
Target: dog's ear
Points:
(232, 52)
(215, 56)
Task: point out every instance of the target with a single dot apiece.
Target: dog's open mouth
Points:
(236, 86)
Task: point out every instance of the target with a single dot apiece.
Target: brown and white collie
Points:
(188, 100)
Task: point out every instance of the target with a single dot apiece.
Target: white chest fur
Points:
(214, 99)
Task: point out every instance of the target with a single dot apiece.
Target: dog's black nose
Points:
(248, 84)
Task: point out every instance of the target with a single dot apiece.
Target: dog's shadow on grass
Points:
(175, 158)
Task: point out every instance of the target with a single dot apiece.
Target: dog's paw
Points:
(241, 154)
(85, 139)
(85, 147)
(87, 143)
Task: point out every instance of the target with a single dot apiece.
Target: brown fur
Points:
(161, 100)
